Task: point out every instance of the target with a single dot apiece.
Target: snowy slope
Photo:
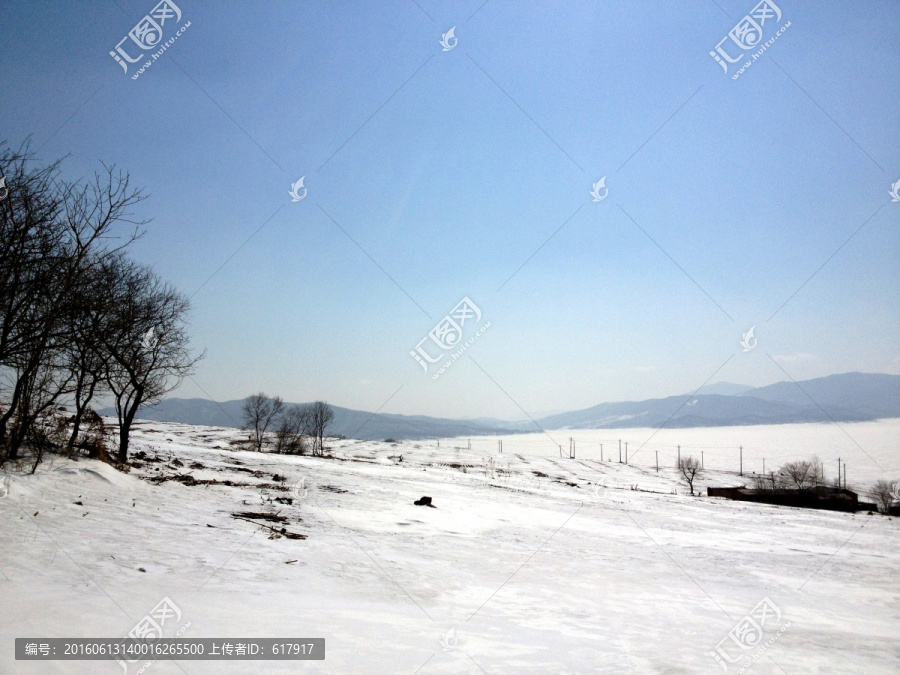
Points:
(535, 563)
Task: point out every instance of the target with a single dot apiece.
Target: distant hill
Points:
(347, 422)
(725, 389)
(870, 395)
(850, 397)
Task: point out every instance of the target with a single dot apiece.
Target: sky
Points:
(437, 169)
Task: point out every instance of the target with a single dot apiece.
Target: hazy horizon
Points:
(710, 388)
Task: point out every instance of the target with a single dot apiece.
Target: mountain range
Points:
(848, 397)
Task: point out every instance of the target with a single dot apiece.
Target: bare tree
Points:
(690, 469)
(764, 481)
(40, 379)
(260, 411)
(320, 416)
(293, 428)
(85, 358)
(883, 492)
(817, 471)
(144, 333)
(36, 423)
(803, 474)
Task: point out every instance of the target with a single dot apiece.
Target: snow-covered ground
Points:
(529, 562)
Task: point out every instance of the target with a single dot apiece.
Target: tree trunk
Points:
(126, 417)
(80, 407)
(17, 438)
(12, 448)
(76, 427)
(124, 430)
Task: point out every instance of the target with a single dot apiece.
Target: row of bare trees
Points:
(297, 429)
(799, 475)
(80, 321)
(809, 474)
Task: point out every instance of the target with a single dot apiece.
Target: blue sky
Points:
(434, 175)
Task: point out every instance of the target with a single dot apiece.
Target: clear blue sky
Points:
(459, 166)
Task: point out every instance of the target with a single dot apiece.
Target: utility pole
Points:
(701, 459)
(601, 452)
(657, 461)
(620, 451)
(764, 466)
(742, 461)
(839, 472)
(626, 452)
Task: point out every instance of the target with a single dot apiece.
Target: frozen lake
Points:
(870, 449)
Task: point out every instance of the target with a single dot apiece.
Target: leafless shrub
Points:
(883, 492)
(762, 481)
(293, 429)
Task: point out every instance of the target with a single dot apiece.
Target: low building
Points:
(821, 497)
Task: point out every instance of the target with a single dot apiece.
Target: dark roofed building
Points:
(821, 497)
